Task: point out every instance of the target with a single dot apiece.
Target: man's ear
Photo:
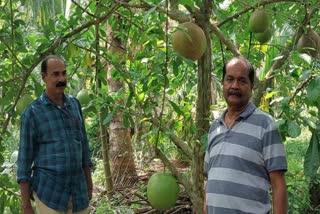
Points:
(43, 75)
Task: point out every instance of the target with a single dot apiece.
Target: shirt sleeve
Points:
(86, 161)
(273, 149)
(26, 147)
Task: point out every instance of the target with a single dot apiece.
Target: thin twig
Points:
(300, 88)
(84, 9)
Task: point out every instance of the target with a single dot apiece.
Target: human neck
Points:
(56, 98)
(232, 114)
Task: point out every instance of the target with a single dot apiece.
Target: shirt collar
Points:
(45, 99)
(246, 113)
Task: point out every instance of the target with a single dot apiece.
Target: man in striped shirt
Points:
(245, 157)
(54, 159)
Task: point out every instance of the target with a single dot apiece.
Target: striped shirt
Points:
(53, 152)
(238, 161)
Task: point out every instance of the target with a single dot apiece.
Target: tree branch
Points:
(174, 14)
(13, 54)
(300, 88)
(174, 171)
(83, 9)
(176, 140)
(224, 39)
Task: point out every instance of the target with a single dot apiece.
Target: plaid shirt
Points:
(53, 151)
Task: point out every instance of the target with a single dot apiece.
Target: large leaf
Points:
(293, 129)
(1, 160)
(314, 89)
(312, 157)
(127, 120)
(108, 119)
(176, 108)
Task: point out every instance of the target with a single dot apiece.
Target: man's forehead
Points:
(237, 67)
(236, 61)
(55, 61)
(56, 65)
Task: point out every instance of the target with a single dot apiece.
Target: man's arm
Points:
(86, 161)
(87, 172)
(25, 195)
(25, 159)
(279, 192)
(204, 197)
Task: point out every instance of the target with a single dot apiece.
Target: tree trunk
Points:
(203, 113)
(104, 138)
(123, 167)
(103, 133)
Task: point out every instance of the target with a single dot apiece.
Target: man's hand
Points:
(25, 194)
(28, 210)
(279, 192)
(204, 211)
(90, 192)
(87, 172)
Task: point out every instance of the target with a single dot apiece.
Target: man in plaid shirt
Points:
(54, 159)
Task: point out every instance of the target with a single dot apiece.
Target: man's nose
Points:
(235, 84)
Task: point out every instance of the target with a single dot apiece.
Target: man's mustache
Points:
(61, 84)
(234, 92)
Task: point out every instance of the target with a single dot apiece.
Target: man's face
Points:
(237, 87)
(55, 77)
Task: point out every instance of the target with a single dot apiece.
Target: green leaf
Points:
(313, 90)
(141, 97)
(129, 100)
(310, 123)
(149, 13)
(189, 3)
(2, 202)
(37, 85)
(293, 129)
(270, 94)
(1, 160)
(282, 126)
(19, 22)
(127, 120)
(108, 119)
(312, 157)
(305, 74)
(175, 65)
(176, 108)
(19, 38)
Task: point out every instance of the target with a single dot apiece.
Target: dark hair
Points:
(44, 62)
(250, 68)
